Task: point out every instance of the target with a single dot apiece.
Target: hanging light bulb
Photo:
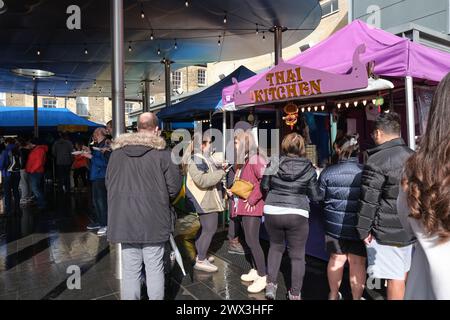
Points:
(355, 103)
(186, 3)
(225, 18)
(176, 45)
(86, 52)
(257, 29)
(152, 37)
(339, 105)
(323, 108)
(159, 51)
(264, 36)
(95, 83)
(130, 48)
(374, 101)
(159, 79)
(303, 109)
(142, 11)
(347, 104)
(34, 78)
(66, 81)
(364, 102)
(309, 109)
(316, 108)
(219, 42)
(38, 52)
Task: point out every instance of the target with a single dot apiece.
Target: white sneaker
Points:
(205, 265)
(339, 297)
(251, 276)
(102, 231)
(258, 285)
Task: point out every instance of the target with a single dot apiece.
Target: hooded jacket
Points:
(5, 157)
(340, 185)
(142, 181)
(293, 186)
(36, 159)
(379, 192)
(203, 185)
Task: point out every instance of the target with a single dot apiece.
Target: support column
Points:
(168, 84)
(410, 112)
(117, 72)
(35, 107)
(278, 47)
(117, 89)
(146, 97)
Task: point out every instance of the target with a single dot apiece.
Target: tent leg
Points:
(411, 123)
(35, 105)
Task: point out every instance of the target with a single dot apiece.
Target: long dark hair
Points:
(427, 173)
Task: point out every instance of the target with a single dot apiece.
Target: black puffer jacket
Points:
(379, 192)
(293, 186)
(341, 188)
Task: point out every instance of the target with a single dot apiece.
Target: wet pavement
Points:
(38, 250)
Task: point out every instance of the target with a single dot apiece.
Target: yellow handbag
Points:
(242, 188)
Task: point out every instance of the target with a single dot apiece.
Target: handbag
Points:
(242, 188)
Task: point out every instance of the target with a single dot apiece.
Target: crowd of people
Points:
(25, 163)
(391, 214)
(388, 218)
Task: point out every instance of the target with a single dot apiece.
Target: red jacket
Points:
(36, 160)
(80, 162)
(253, 173)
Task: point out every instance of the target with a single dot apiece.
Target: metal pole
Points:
(146, 96)
(411, 123)
(168, 86)
(278, 37)
(35, 105)
(117, 89)
(117, 72)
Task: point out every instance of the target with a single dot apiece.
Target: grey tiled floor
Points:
(37, 249)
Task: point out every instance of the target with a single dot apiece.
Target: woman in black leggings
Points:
(286, 212)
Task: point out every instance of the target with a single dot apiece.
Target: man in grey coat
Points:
(142, 182)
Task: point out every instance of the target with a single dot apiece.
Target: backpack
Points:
(15, 161)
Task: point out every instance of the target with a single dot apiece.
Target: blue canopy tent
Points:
(18, 120)
(202, 104)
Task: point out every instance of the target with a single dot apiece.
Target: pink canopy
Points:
(394, 56)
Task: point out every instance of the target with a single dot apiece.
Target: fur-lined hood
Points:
(140, 139)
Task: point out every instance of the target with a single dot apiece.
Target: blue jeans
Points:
(11, 189)
(37, 188)
(100, 201)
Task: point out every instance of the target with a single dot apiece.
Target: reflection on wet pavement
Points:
(36, 251)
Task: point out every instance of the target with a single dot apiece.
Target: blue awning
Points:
(201, 104)
(21, 118)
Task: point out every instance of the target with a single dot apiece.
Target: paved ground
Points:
(36, 250)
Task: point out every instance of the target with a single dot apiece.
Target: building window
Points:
(201, 76)
(177, 80)
(129, 107)
(2, 99)
(83, 106)
(49, 103)
(330, 7)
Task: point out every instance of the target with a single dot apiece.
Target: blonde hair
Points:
(247, 147)
(293, 144)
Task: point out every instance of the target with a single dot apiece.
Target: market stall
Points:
(345, 81)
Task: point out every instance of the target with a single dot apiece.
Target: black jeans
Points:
(80, 173)
(100, 200)
(10, 190)
(63, 177)
(294, 230)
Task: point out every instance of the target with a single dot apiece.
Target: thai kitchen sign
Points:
(287, 82)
